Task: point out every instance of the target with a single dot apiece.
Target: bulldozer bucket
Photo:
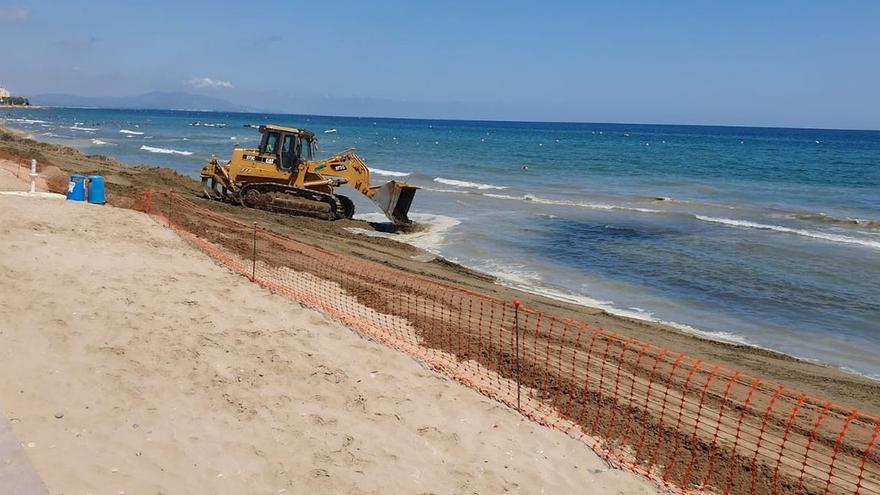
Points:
(395, 198)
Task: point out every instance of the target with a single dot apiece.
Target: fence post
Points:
(516, 304)
(33, 175)
(254, 256)
(168, 209)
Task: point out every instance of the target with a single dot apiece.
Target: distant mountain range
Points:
(156, 100)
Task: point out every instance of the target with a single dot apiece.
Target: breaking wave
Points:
(822, 217)
(452, 191)
(27, 121)
(133, 133)
(579, 204)
(519, 278)
(389, 173)
(98, 142)
(428, 239)
(464, 183)
(166, 151)
(787, 230)
(77, 128)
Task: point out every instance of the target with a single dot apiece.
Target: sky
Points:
(780, 63)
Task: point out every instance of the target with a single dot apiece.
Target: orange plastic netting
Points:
(688, 424)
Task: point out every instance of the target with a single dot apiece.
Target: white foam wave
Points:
(831, 219)
(464, 183)
(531, 283)
(428, 239)
(389, 173)
(165, 151)
(133, 133)
(453, 191)
(729, 222)
(98, 142)
(563, 202)
(27, 121)
(76, 128)
(503, 196)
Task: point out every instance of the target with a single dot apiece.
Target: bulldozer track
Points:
(285, 199)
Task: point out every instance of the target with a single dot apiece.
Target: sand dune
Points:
(137, 365)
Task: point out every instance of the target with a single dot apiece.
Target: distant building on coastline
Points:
(6, 98)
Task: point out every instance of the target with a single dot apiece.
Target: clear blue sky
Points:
(784, 63)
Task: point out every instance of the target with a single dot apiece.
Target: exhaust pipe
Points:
(395, 199)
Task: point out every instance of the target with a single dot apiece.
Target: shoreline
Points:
(720, 337)
(586, 301)
(820, 379)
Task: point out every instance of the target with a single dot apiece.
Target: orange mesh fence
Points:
(688, 424)
(55, 180)
(23, 166)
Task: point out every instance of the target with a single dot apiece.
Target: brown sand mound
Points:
(686, 421)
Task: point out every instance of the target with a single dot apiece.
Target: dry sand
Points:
(13, 177)
(135, 364)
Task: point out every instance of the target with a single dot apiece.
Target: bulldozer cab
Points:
(289, 146)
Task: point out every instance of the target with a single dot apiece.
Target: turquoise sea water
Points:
(764, 236)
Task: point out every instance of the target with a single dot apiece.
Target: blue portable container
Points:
(96, 189)
(76, 190)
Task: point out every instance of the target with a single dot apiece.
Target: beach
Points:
(649, 263)
(758, 236)
(408, 283)
(124, 183)
(154, 370)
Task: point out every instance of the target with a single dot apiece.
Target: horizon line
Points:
(447, 119)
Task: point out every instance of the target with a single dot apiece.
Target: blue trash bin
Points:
(96, 189)
(76, 190)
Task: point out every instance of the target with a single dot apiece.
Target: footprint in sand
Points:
(321, 421)
(319, 473)
(341, 457)
(358, 402)
(330, 375)
(433, 433)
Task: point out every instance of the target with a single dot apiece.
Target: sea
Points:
(763, 236)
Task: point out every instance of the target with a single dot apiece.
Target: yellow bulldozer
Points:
(283, 176)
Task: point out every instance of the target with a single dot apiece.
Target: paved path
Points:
(17, 475)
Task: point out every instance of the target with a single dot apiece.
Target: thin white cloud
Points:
(207, 82)
(79, 42)
(12, 14)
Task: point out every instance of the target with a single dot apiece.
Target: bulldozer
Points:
(281, 175)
